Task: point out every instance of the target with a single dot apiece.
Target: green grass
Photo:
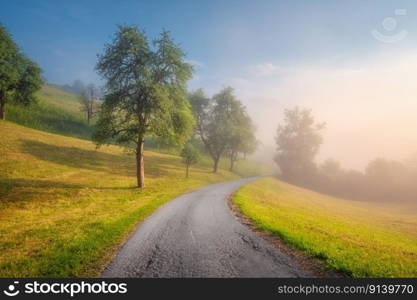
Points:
(65, 207)
(360, 239)
(56, 111)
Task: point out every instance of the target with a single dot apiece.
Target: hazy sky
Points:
(353, 62)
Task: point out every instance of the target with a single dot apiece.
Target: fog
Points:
(370, 106)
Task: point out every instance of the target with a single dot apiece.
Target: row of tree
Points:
(381, 180)
(146, 94)
(20, 77)
(223, 125)
(298, 141)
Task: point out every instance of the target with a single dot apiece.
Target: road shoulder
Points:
(311, 266)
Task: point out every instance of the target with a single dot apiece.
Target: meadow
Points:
(56, 111)
(66, 207)
(359, 239)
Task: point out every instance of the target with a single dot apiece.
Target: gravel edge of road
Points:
(310, 265)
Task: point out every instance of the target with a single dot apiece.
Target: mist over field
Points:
(286, 55)
(368, 105)
(209, 139)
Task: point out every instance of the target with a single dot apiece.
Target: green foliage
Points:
(242, 139)
(20, 77)
(190, 154)
(298, 141)
(223, 125)
(226, 110)
(55, 111)
(30, 81)
(200, 105)
(8, 57)
(145, 89)
(145, 92)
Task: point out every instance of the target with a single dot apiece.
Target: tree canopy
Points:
(298, 141)
(242, 139)
(223, 125)
(190, 156)
(20, 77)
(145, 92)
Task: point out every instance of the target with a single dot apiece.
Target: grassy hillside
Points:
(360, 239)
(57, 111)
(65, 206)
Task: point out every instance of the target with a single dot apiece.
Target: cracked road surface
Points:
(196, 235)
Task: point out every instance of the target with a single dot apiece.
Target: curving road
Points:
(196, 235)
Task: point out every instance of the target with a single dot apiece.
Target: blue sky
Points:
(224, 37)
(330, 56)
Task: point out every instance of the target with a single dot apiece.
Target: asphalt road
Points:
(196, 235)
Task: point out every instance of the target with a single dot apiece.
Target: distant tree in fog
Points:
(298, 141)
(78, 87)
(388, 179)
(223, 125)
(382, 180)
(331, 167)
(89, 101)
(200, 105)
(242, 140)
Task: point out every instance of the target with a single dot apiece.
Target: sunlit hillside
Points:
(65, 206)
(56, 111)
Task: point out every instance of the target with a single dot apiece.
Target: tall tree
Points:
(88, 101)
(189, 156)
(20, 77)
(145, 92)
(201, 106)
(218, 122)
(242, 139)
(298, 142)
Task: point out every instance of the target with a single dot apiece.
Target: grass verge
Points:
(359, 239)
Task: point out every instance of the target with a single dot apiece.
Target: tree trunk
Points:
(2, 108)
(232, 163)
(90, 111)
(140, 170)
(233, 159)
(216, 164)
(187, 171)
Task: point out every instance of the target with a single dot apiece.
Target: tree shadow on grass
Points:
(75, 157)
(123, 165)
(25, 190)
(20, 189)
